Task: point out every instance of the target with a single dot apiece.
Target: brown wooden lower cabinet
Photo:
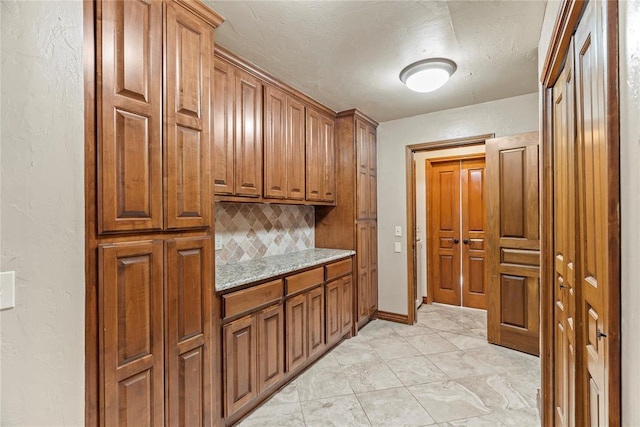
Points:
(338, 300)
(270, 346)
(297, 349)
(264, 347)
(241, 377)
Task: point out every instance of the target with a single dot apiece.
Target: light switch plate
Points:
(218, 243)
(397, 247)
(7, 290)
(398, 231)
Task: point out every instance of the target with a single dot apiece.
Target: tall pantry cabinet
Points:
(149, 215)
(352, 224)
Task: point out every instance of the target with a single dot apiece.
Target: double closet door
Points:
(456, 227)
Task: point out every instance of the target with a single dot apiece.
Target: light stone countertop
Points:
(229, 276)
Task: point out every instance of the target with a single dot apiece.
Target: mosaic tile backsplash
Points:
(251, 230)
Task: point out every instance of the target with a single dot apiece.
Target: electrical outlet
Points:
(7, 290)
(218, 243)
(397, 247)
(398, 231)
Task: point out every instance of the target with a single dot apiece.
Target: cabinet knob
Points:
(465, 241)
(456, 241)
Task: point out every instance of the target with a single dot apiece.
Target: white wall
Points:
(503, 117)
(42, 213)
(630, 206)
(421, 206)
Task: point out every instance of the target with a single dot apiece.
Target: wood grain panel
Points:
(333, 295)
(297, 329)
(191, 389)
(296, 149)
(131, 321)
(271, 346)
(512, 193)
(316, 320)
(362, 167)
(338, 269)
(329, 161)
(364, 282)
(275, 143)
(305, 280)
(223, 128)
(347, 304)
(514, 301)
(134, 396)
(246, 300)
(372, 190)
(189, 61)
(373, 266)
(248, 135)
(129, 149)
(315, 156)
(241, 379)
(189, 331)
(520, 256)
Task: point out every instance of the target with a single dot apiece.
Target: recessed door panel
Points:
(443, 217)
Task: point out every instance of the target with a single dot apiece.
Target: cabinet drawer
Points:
(338, 269)
(249, 299)
(302, 281)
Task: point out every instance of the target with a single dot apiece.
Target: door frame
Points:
(565, 26)
(428, 165)
(410, 150)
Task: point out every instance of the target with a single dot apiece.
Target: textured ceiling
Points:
(349, 54)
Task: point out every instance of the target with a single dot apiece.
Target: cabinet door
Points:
(373, 266)
(270, 346)
(275, 144)
(315, 157)
(347, 304)
(334, 310)
(296, 331)
(364, 284)
(295, 149)
(188, 65)
(248, 138)
(316, 320)
(372, 189)
(223, 131)
(131, 323)
(129, 169)
(189, 332)
(362, 163)
(241, 376)
(329, 149)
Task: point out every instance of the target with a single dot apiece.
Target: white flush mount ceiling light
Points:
(427, 75)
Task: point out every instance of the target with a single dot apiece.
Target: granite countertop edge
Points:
(233, 275)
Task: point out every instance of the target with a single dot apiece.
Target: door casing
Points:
(410, 151)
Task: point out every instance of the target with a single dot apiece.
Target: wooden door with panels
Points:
(513, 242)
(456, 228)
(596, 216)
(581, 176)
(564, 289)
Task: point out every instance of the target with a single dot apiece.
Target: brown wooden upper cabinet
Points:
(133, 157)
(367, 171)
(284, 145)
(237, 131)
(321, 169)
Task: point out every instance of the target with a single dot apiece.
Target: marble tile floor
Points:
(439, 372)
